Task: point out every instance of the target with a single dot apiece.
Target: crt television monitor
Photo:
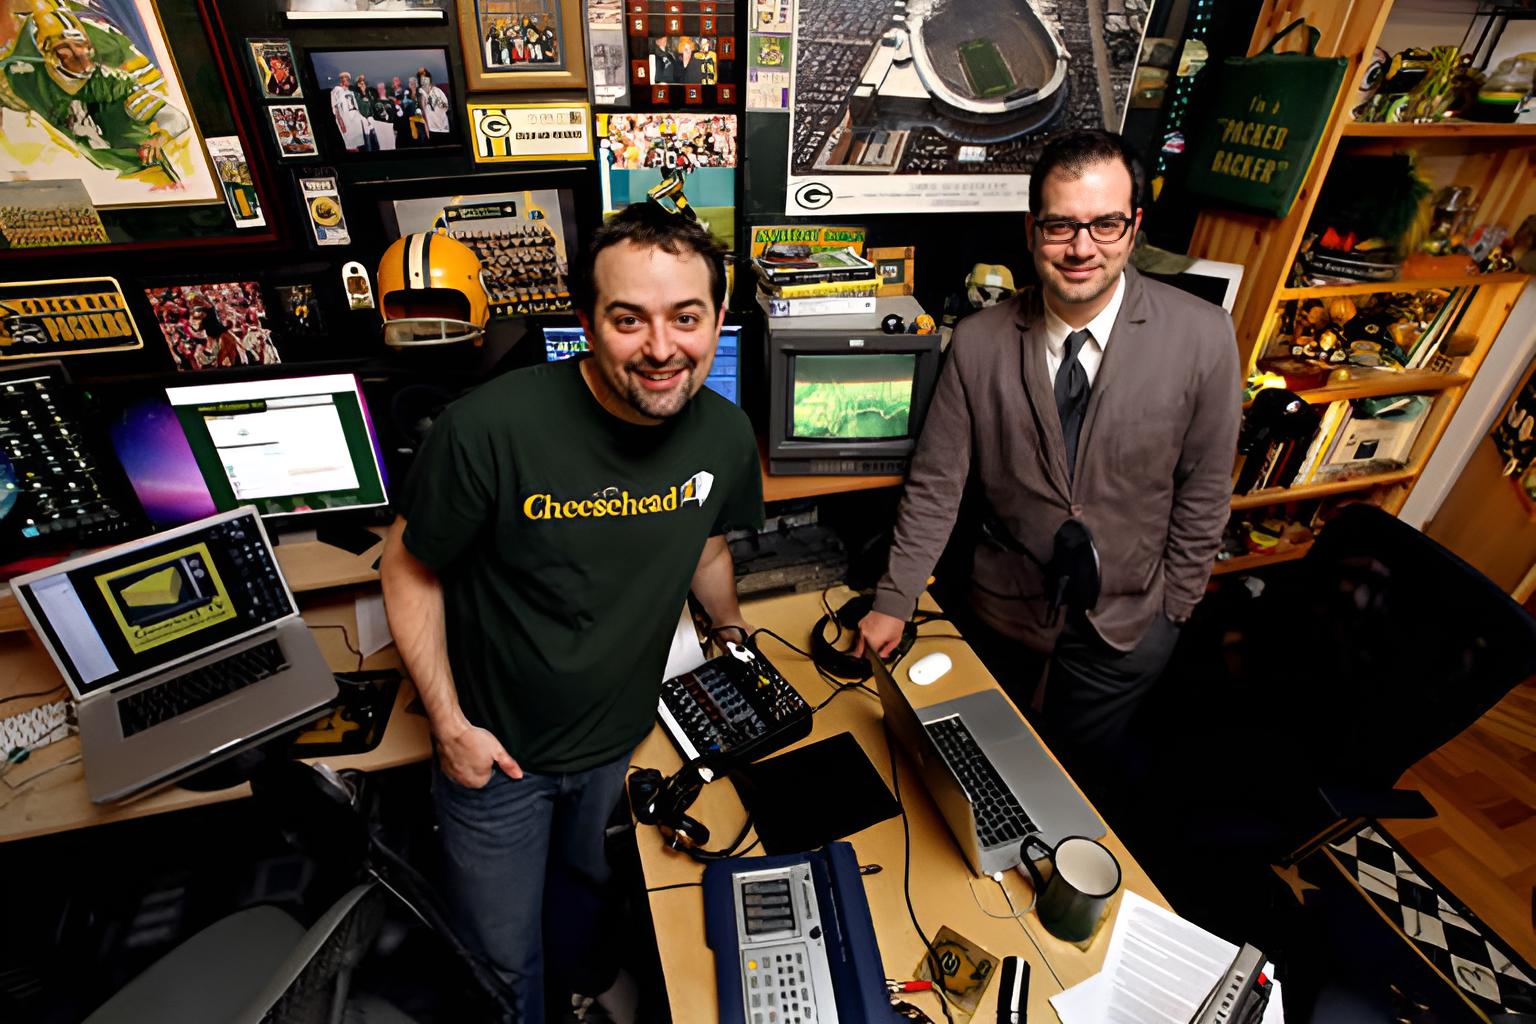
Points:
(847, 403)
(291, 445)
(724, 374)
(1213, 281)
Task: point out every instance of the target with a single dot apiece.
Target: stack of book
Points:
(816, 283)
(1344, 445)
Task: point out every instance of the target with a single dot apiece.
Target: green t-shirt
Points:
(566, 540)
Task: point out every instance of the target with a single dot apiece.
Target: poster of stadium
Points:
(943, 105)
(90, 91)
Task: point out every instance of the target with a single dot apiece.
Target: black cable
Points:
(765, 630)
(346, 638)
(906, 882)
(675, 885)
(35, 693)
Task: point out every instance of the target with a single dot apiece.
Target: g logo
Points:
(813, 195)
(495, 126)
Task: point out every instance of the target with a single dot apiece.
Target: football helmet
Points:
(52, 28)
(432, 291)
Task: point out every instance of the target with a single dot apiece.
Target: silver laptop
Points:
(991, 777)
(181, 650)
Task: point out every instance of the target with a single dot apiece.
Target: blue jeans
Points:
(526, 870)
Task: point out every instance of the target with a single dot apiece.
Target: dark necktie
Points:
(1072, 395)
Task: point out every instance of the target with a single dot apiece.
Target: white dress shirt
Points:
(1099, 328)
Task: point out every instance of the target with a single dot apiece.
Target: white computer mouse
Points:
(929, 668)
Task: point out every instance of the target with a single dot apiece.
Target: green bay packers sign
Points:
(41, 319)
(508, 132)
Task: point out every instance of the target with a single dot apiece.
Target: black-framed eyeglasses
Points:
(1100, 229)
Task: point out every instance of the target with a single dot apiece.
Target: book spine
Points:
(820, 274)
(826, 289)
(819, 306)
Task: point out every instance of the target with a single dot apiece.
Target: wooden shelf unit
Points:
(1248, 563)
(1495, 160)
(1438, 130)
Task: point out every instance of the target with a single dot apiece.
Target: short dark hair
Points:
(649, 225)
(1073, 152)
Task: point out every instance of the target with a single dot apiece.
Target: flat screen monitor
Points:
(724, 374)
(291, 446)
(847, 404)
(1213, 281)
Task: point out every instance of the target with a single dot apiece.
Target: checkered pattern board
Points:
(1462, 947)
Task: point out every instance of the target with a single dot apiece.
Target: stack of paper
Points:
(1158, 970)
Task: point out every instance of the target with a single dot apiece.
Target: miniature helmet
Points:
(988, 284)
(432, 291)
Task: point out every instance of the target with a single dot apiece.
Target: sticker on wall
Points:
(322, 208)
(354, 281)
(43, 214)
(46, 319)
(506, 132)
(235, 172)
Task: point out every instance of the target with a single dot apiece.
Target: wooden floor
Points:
(1482, 846)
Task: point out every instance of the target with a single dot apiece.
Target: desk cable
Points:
(35, 693)
(346, 638)
(906, 882)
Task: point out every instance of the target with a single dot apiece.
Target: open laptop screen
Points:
(135, 609)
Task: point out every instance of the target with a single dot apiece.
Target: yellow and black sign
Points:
(44, 319)
(166, 597)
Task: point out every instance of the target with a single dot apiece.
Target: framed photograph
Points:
(895, 263)
(522, 44)
(365, 10)
(47, 319)
(291, 128)
(388, 100)
(636, 150)
(135, 142)
(277, 75)
(525, 228)
(213, 324)
(508, 132)
(298, 314)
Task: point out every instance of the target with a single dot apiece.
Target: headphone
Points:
(665, 802)
(839, 662)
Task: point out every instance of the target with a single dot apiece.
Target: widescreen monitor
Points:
(724, 374)
(847, 404)
(291, 446)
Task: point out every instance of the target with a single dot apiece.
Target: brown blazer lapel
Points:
(1042, 399)
(1128, 348)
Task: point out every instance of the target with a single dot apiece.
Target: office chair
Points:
(259, 965)
(1286, 717)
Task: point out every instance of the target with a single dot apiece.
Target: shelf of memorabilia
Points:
(1247, 563)
(1398, 284)
(1405, 382)
(1278, 495)
(1439, 130)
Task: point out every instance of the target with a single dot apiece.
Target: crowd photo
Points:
(384, 100)
(214, 325)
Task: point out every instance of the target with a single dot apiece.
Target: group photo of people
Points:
(214, 325)
(26, 227)
(383, 100)
(512, 41)
(684, 60)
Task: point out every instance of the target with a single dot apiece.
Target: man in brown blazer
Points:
(1105, 397)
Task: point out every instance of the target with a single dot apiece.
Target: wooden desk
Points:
(944, 892)
(57, 801)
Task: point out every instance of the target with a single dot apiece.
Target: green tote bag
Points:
(1269, 116)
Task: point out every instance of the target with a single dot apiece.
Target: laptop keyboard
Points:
(201, 686)
(1000, 818)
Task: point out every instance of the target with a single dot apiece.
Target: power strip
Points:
(36, 727)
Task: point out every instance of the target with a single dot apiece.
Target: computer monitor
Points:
(1213, 281)
(291, 445)
(847, 403)
(724, 374)
(60, 488)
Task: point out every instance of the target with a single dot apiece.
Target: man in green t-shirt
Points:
(547, 537)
